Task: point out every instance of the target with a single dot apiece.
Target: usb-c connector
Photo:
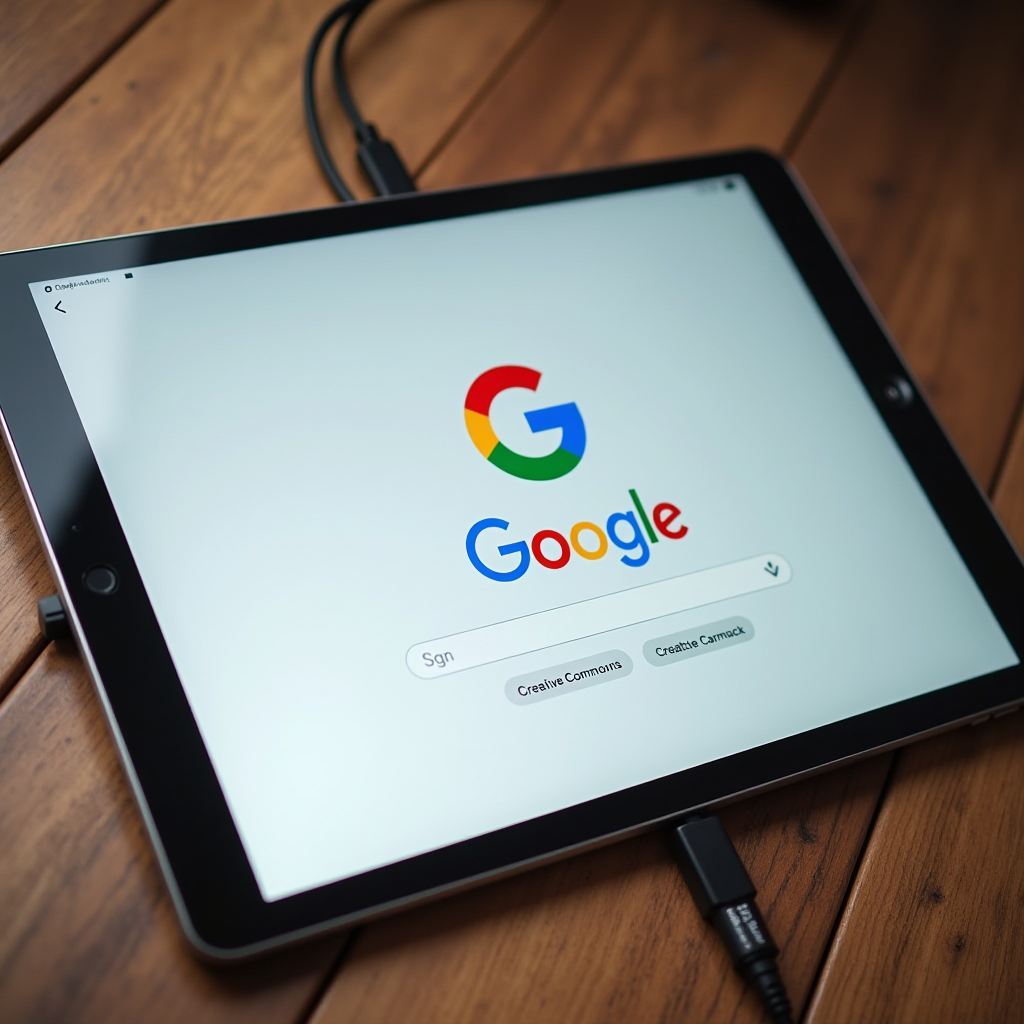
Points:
(724, 895)
(382, 164)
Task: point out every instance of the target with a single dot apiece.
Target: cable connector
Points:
(379, 157)
(382, 164)
(724, 895)
(53, 620)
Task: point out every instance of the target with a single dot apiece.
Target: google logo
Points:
(566, 417)
(622, 529)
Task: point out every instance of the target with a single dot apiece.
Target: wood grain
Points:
(607, 82)
(48, 47)
(88, 929)
(1009, 493)
(917, 158)
(24, 578)
(613, 935)
(932, 929)
(200, 117)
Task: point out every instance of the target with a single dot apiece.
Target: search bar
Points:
(476, 647)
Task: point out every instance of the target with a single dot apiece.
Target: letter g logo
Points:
(518, 548)
(566, 417)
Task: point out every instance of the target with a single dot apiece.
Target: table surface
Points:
(895, 886)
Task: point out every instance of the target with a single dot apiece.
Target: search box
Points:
(555, 626)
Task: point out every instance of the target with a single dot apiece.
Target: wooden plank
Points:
(88, 931)
(200, 117)
(933, 927)
(24, 578)
(607, 83)
(613, 935)
(917, 158)
(47, 48)
(933, 930)
(1009, 495)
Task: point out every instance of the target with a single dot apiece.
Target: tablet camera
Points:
(101, 580)
(895, 391)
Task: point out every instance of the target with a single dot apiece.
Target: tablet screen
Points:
(452, 525)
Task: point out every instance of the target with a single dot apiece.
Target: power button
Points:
(100, 579)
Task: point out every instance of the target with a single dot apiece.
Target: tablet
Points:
(424, 540)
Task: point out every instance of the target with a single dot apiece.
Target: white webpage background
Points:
(281, 432)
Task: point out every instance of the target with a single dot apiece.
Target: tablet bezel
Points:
(202, 857)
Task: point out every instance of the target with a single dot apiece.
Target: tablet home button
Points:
(100, 579)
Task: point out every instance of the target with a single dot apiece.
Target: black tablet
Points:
(419, 541)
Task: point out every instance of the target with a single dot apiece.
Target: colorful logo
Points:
(566, 418)
(632, 537)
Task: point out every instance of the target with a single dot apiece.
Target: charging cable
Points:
(724, 895)
(713, 871)
(378, 157)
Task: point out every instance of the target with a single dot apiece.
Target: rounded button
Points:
(895, 391)
(100, 579)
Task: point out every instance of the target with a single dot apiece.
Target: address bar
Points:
(555, 626)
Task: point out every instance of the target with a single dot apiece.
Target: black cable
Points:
(378, 157)
(338, 68)
(724, 895)
(316, 137)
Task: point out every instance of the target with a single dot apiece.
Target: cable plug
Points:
(724, 895)
(382, 164)
(53, 620)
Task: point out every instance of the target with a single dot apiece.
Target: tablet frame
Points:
(213, 886)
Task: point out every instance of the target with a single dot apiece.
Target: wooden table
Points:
(896, 887)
